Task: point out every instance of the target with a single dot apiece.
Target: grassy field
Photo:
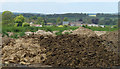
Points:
(21, 30)
(102, 29)
(34, 29)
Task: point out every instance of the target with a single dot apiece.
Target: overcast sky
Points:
(60, 6)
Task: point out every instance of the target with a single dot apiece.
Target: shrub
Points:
(66, 26)
(21, 34)
(58, 33)
(67, 33)
(60, 26)
(115, 26)
(48, 29)
(25, 24)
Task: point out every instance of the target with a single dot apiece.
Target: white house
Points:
(65, 22)
(102, 26)
(38, 25)
(94, 25)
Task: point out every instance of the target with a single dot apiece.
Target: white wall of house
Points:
(65, 22)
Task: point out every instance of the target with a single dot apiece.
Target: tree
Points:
(95, 21)
(65, 19)
(33, 17)
(39, 20)
(80, 20)
(7, 18)
(43, 23)
(58, 21)
(19, 19)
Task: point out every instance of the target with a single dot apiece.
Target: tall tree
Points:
(7, 18)
(43, 23)
(19, 19)
(65, 19)
(58, 21)
(39, 20)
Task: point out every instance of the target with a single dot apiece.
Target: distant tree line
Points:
(9, 18)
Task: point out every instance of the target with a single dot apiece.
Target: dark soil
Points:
(65, 51)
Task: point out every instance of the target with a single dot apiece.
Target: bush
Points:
(66, 26)
(21, 34)
(25, 24)
(58, 33)
(115, 26)
(48, 29)
(16, 25)
(67, 33)
(60, 26)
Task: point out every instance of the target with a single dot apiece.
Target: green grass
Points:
(20, 31)
(107, 28)
(33, 29)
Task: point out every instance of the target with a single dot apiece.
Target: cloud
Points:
(59, 0)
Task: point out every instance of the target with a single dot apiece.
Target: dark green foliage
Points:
(40, 20)
(108, 28)
(25, 24)
(48, 29)
(58, 21)
(7, 18)
(67, 33)
(58, 33)
(21, 34)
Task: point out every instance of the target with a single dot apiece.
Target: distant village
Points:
(76, 23)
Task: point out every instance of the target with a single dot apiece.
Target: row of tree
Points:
(9, 19)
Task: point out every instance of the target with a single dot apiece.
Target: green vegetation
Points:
(20, 30)
(25, 24)
(19, 24)
(58, 21)
(107, 28)
(67, 32)
(19, 19)
(65, 19)
(7, 18)
(101, 18)
(40, 20)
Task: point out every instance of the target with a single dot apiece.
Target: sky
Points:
(60, 6)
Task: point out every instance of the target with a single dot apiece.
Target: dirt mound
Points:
(5, 40)
(99, 33)
(60, 51)
(81, 51)
(42, 32)
(23, 51)
(112, 37)
(84, 31)
(69, 31)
